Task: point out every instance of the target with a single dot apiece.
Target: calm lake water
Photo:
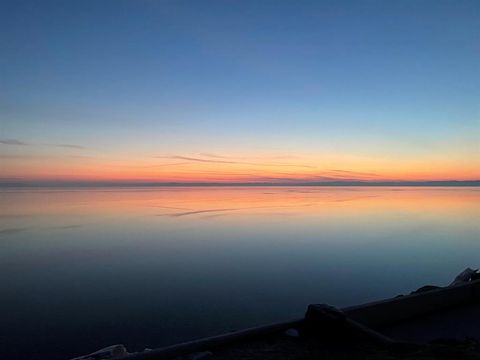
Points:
(85, 268)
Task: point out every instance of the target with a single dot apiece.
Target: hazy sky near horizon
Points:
(240, 90)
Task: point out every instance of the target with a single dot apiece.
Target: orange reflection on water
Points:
(203, 202)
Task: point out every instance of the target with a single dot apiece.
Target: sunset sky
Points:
(239, 91)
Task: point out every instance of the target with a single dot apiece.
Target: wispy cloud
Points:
(10, 231)
(13, 142)
(194, 159)
(11, 156)
(218, 160)
(353, 173)
(213, 156)
(273, 157)
(71, 146)
(18, 142)
(43, 157)
(80, 157)
(68, 227)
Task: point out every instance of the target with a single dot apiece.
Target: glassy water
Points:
(85, 268)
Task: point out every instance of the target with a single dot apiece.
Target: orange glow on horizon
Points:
(243, 169)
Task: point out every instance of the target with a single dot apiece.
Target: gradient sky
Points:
(240, 90)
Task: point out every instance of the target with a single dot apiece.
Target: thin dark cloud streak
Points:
(43, 157)
(215, 161)
(213, 156)
(355, 198)
(188, 158)
(146, 166)
(70, 146)
(17, 142)
(12, 156)
(357, 173)
(80, 157)
(278, 157)
(11, 231)
(288, 177)
(68, 227)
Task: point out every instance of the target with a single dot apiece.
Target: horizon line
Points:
(109, 183)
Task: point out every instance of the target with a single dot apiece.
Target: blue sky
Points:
(375, 78)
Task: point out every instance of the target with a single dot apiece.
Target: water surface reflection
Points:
(84, 268)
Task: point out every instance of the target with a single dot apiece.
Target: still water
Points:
(85, 268)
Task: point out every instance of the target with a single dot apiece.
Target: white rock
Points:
(463, 277)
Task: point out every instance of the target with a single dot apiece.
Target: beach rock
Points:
(324, 312)
(325, 321)
(463, 277)
(475, 276)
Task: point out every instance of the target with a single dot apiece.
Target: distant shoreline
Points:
(88, 184)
